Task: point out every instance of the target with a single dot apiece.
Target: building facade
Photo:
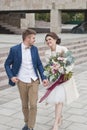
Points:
(21, 12)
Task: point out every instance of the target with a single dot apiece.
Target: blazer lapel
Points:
(20, 53)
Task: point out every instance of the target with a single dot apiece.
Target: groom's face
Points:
(30, 39)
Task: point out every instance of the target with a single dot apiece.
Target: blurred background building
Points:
(42, 15)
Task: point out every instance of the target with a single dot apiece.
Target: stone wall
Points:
(55, 7)
(41, 4)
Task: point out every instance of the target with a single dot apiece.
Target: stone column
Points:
(29, 21)
(55, 20)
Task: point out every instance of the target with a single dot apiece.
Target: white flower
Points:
(69, 68)
(61, 70)
(65, 59)
(60, 58)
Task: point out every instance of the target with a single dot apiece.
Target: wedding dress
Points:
(66, 92)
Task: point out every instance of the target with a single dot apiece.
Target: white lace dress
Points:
(65, 92)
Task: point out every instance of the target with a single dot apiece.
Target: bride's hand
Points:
(45, 82)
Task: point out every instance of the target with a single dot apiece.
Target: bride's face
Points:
(50, 41)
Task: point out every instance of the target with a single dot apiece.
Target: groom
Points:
(22, 66)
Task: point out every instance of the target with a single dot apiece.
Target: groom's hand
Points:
(45, 82)
(14, 79)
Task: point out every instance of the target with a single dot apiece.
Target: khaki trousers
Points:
(29, 96)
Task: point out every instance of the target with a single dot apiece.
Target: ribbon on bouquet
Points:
(63, 78)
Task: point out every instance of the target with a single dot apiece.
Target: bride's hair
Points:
(54, 36)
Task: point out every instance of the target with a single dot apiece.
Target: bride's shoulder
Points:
(62, 48)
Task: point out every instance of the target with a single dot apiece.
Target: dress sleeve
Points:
(47, 56)
(65, 49)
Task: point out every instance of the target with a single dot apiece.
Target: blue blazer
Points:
(14, 60)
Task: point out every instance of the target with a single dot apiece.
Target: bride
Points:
(65, 92)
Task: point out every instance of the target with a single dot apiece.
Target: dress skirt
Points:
(64, 93)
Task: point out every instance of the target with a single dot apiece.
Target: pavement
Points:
(74, 115)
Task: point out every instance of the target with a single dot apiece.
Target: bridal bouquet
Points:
(58, 70)
(61, 64)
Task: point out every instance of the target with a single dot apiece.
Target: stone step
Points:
(76, 51)
(2, 59)
(81, 60)
(43, 48)
(3, 77)
(2, 69)
(72, 41)
(73, 45)
(77, 46)
(4, 50)
(4, 87)
(3, 73)
(80, 54)
(73, 49)
(4, 82)
(3, 55)
(70, 45)
(79, 50)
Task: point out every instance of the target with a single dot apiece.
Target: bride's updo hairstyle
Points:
(54, 36)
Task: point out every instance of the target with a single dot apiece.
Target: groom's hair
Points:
(28, 32)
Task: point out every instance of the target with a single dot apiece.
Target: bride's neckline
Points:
(53, 50)
(53, 53)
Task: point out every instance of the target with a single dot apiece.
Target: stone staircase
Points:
(78, 48)
(9, 29)
(4, 30)
(79, 51)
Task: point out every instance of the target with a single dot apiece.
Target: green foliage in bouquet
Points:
(58, 65)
